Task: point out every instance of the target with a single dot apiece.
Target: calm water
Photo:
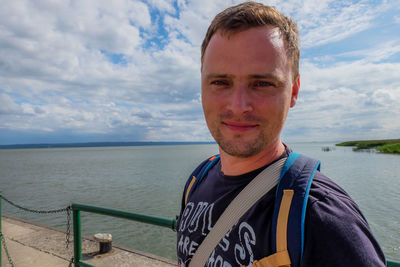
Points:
(149, 180)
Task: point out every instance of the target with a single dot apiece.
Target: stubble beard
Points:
(237, 147)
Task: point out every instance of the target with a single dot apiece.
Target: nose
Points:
(239, 100)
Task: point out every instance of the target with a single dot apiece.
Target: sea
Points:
(149, 180)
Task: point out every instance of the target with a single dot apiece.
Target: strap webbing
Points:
(257, 188)
(189, 189)
(281, 228)
(281, 259)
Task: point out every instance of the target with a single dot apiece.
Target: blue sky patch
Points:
(115, 58)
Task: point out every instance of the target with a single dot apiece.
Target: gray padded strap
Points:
(254, 191)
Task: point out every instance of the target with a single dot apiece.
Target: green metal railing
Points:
(77, 208)
(164, 222)
(155, 220)
(391, 263)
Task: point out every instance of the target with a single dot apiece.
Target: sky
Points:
(129, 70)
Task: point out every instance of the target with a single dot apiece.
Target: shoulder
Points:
(326, 193)
(336, 231)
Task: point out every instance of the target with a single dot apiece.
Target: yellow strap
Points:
(279, 259)
(281, 228)
(192, 183)
(189, 188)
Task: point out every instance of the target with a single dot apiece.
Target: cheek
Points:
(271, 108)
(211, 102)
(281, 101)
(208, 106)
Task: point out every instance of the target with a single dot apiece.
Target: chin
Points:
(242, 149)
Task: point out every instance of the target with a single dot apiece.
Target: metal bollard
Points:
(105, 242)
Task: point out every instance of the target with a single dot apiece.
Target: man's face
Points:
(247, 90)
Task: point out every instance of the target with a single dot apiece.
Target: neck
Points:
(231, 165)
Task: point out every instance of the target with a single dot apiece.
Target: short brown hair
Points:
(251, 14)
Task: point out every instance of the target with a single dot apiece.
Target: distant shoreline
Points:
(99, 144)
(391, 146)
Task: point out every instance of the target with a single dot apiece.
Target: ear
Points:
(295, 92)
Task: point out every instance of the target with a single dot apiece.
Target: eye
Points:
(219, 83)
(263, 84)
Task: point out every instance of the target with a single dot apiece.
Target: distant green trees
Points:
(384, 146)
(389, 148)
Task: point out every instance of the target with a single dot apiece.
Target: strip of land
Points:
(385, 146)
(31, 244)
(100, 144)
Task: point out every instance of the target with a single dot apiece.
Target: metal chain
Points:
(67, 209)
(71, 262)
(35, 211)
(68, 232)
(6, 250)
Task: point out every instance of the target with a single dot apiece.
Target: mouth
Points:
(239, 126)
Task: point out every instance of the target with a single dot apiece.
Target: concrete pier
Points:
(30, 244)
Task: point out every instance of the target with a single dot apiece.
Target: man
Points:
(250, 80)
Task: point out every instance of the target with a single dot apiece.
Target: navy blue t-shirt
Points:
(336, 232)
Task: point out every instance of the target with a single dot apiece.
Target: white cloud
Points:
(335, 21)
(375, 54)
(163, 5)
(7, 105)
(366, 77)
(57, 72)
(347, 100)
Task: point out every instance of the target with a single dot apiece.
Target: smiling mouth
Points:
(239, 126)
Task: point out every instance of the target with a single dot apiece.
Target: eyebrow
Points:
(277, 78)
(216, 75)
(263, 76)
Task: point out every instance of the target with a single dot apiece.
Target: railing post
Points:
(76, 215)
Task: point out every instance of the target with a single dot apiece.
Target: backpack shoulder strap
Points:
(197, 176)
(251, 194)
(297, 175)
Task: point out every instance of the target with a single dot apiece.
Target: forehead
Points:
(255, 49)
